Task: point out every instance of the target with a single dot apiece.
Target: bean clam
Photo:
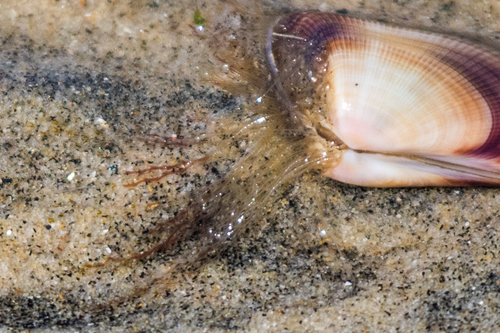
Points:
(374, 105)
(403, 107)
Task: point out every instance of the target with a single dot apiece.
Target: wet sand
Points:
(85, 82)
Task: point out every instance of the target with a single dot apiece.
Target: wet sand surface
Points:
(83, 84)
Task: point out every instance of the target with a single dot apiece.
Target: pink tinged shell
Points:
(412, 108)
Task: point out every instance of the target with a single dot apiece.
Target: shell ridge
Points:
(456, 74)
(483, 75)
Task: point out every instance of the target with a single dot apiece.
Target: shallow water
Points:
(83, 82)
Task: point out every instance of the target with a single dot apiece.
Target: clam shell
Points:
(407, 107)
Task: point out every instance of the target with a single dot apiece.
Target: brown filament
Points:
(176, 169)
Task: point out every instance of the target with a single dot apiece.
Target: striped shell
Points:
(406, 107)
